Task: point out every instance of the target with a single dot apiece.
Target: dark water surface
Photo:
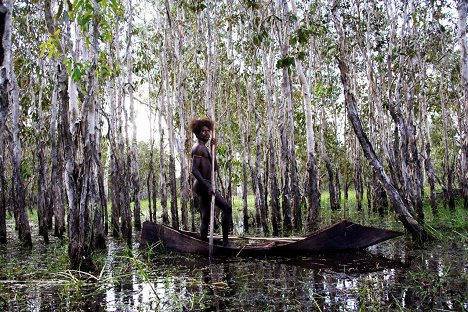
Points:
(388, 277)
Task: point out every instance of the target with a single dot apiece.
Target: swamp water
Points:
(391, 276)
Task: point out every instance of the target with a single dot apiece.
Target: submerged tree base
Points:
(393, 275)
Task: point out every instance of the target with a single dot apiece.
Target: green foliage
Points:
(301, 36)
(26, 170)
(285, 61)
(196, 5)
(259, 37)
(252, 4)
(51, 46)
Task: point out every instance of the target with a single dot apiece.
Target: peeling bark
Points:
(402, 212)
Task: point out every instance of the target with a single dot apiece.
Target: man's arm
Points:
(198, 160)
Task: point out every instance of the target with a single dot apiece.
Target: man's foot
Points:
(228, 244)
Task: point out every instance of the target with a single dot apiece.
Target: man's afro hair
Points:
(196, 125)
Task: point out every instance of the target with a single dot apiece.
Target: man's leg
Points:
(205, 207)
(227, 215)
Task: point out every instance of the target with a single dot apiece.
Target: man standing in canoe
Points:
(201, 170)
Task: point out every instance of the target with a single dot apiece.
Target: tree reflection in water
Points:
(388, 277)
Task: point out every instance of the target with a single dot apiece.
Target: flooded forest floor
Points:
(393, 276)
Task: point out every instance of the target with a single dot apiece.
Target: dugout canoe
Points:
(342, 236)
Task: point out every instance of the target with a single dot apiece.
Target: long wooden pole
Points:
(213, 188)
(211, 104)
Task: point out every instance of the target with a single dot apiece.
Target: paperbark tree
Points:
(56, 180)
(42, 212)
(273, 189)
(312, 192)
(286, 121)
(403, 213)
(426, 142)
(244, 157)
(79, 254)
(114, 155)
(176, 37)
(134, 167)
(462, 13)
(334, 205)
(98, 200)
(162, 166)
(448, 159)
(257, 170)
(22, 222)
(4, 100)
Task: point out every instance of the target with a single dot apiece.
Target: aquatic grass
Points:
(433, 232)
(142, 270)
(462, 235)
(430, 291)
(316, 304)
(77, 278)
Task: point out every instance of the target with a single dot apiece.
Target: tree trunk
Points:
(42, 211)
(296, 193)
(257, 171)
(180, 96)
(151, 179)
(56, 173)
(100, 217)
(291, 197)
(331, 183)
(4, 100)
(426, 139)
(172, 174)
(162, 170)
(98, 206)
(114, 169)
(403, 214)
(260, 198)
(125, 164)
(357, 175)
(273, 189)
(243, 118)
(24, 231)
(134, 168)
(416, 187)
(311, 191)
(462, 13)
(448, 166)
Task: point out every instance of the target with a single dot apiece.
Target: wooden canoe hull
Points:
(342, 236)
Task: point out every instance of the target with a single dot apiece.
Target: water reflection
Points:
(389, 277)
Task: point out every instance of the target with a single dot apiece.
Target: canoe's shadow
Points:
(346, 262)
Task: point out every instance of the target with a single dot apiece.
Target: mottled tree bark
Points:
(24, 230)
(4, 100)
(273, 189)
(3, 112)
(328, 165)
(56, 172)
(357, 176)
(162, 169)
(42, 211)
(98, 204)
(178, 38)
(462, 112)
(151, 178)
(244, 159)
(403, 213)
(134, 167)
(114, 163)
(448, 164)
